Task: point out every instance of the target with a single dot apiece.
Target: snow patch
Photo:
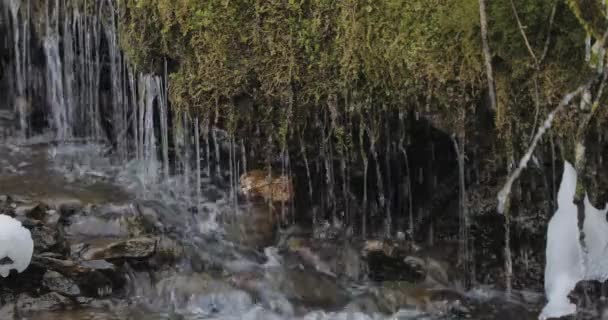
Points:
(16, 244)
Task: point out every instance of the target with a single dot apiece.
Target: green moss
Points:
(592, 16)
(374, 58)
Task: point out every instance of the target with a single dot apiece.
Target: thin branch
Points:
(536, 104)
(537, 62)
(486, 52)
(506, 190)
(523, 34)
(548, 40)
(594, 107)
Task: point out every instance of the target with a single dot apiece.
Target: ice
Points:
(595, 228)
(16, 244)
(564, 266)
(567, 263)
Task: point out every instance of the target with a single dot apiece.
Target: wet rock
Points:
(115, 249)
(392, 296)
(98, 265)
(57, 282)
(114, 220)
(500, 309)
(46, 238)
(254, 225)
(49, 302)
(24, 209)
(91, 227)
(7, 311)
(365, 304)
(314, 260)
(52, 218)
(93, 278)
(265, 292)
(65, 206)
(168, 250)
(155, 215)
(52, 262)
(398, 262)
(203, 291)
(334, 258)
(307, 287)
(38, 212)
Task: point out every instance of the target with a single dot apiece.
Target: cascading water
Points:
(19, 13)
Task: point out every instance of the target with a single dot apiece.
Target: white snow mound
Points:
(567, 263)
(564, 266)
(16, 244)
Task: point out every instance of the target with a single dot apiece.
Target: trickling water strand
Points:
(116, 75)
(408, 173)
(207, 147)
(140, 115)
(387, 157)
(235, 174)
(68, 72)
(20, 40)
(244, 155)
(150, 156)
(464, 222)
(55, 92)
(365, 160)
(231, 172)
(164, 128)
(197, 146)
(216, 145)
(135, 118)
(187, 160)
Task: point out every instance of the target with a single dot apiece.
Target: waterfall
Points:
(88, 88)
(19, 13)
(55, 91)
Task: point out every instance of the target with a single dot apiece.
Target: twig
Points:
(523, 34)
(548, 40)
(536, 105)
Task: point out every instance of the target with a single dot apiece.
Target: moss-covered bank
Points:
(338, 83)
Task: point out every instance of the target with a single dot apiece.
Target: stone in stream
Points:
(392, 296)
(203, 291)
(302, 287)
(46, 238)
(57, 282)
(93, 278)
(7, 311)
(311, 288)
(38, 212)
(48, 302)
(116, 249)
(65, 206)
(390, 261)
(122, 220)
(93, 227)
(338, 258)
(254, 225)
